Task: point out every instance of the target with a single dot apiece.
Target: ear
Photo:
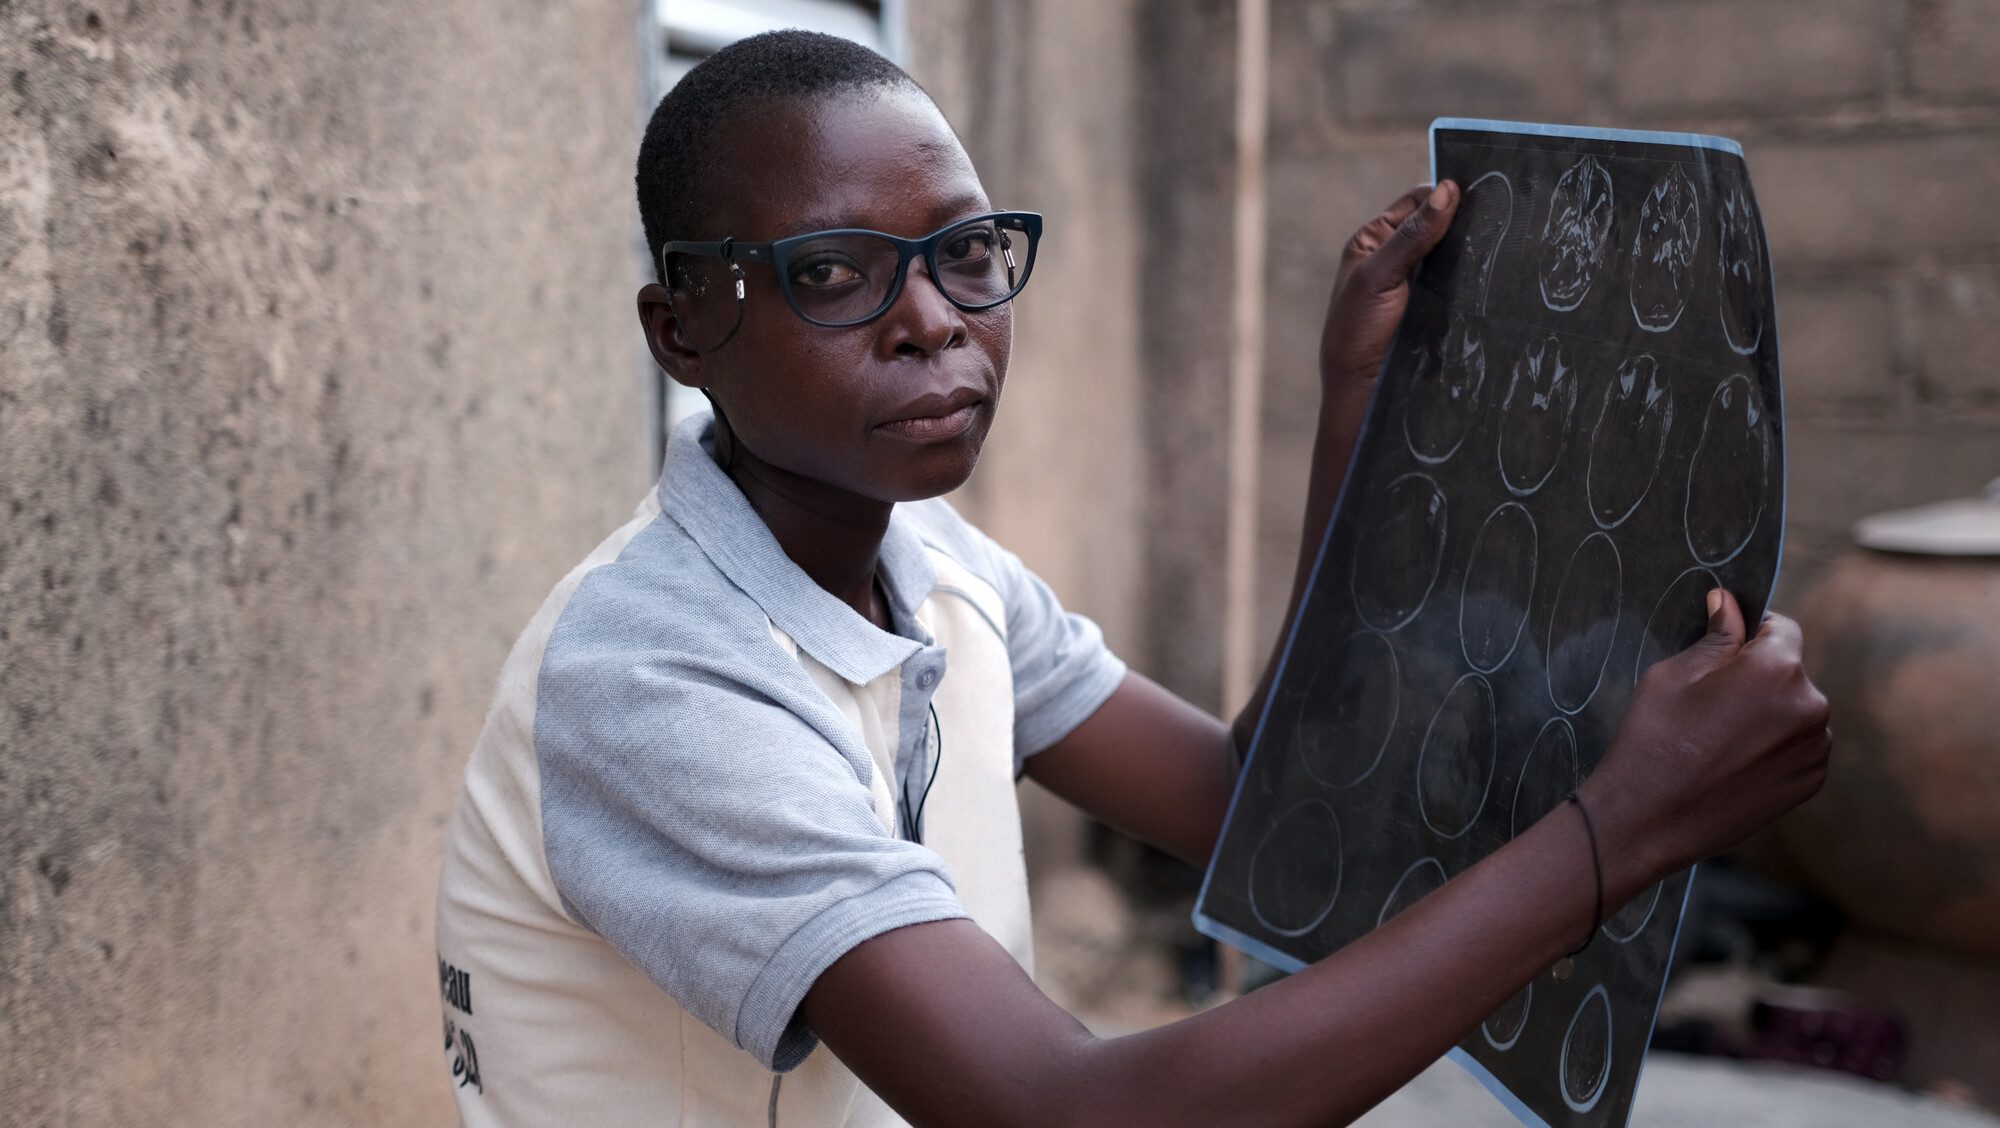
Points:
(666, 336)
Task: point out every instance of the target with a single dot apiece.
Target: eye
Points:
(825, 271)
(972, 245)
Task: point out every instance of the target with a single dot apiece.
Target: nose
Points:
(922, 322)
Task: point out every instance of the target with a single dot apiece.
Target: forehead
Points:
(881, 159)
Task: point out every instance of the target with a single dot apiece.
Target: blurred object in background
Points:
(1746, 941)
(1684, 1092)
(1903, 635)
(1739, 917)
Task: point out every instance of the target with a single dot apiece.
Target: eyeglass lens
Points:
(841, 279)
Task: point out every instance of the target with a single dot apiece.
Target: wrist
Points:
(1630, 840)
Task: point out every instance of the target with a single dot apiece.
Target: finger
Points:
(1399, 255)
(1406, 203)
(1781, 635)
(1371, 235)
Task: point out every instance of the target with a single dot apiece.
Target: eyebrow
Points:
(965, 204)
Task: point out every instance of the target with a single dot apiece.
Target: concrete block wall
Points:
(1872, 128)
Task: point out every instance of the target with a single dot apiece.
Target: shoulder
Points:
(944, 531)
(656, 636)
(659, 594)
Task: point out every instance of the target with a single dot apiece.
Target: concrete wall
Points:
(317, 369)
(1107, 469)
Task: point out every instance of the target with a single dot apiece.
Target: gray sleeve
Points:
(1063, 671)
(698, 816)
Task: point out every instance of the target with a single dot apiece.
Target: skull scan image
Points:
(1445, 393)
(1727, 474)
(1577, 235)
(1635, 412)
(1465, 258)
(1740, 255)
(1663, 252)
(1535, 415)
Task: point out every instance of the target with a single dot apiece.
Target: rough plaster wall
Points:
(1186, 73)
(1871, 126)
(1042, 94)
(316, 370)
(1107, 470)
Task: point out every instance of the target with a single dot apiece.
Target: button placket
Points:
(921, 676)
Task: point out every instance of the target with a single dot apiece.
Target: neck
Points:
(834, 536)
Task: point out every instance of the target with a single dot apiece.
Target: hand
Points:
(1720, 740)
(1373, 284)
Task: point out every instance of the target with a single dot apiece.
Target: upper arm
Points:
(1114, 743)
(1150, 764)
(1062, 669)
(1059, 665)
(696, 820)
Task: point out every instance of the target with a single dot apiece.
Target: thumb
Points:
(1414, 238)
(1725, 625)
(1724, 637)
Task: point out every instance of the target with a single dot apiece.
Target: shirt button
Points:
(927, 679)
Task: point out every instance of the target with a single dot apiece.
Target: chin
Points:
(935, 472)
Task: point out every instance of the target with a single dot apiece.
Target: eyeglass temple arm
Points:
(725, 249)
(728, 250)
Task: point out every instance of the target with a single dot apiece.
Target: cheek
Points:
(993, 334)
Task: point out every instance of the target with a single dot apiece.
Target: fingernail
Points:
(1437, 198)
(1714, 601)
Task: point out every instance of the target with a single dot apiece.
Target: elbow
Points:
(1099, 1084)
(1071, 1084)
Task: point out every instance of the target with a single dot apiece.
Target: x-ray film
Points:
(1576, 435)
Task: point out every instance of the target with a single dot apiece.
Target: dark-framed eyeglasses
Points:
(850, 276)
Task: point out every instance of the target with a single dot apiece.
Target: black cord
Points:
(1597, 866)
(913, 822)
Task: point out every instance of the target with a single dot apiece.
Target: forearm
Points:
(1343, 409)
(942, 1023)
(1323, 1046)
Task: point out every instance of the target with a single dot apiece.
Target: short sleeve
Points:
(701, 815)
(1062, 669)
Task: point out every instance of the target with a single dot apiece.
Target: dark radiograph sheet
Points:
(1577, 434)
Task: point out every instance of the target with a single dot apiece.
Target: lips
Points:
(936, 416)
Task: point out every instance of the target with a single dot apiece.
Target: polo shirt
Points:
(704, 778)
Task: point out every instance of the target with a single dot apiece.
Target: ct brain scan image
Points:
(1739, 254)
(1634, 419)
(1663, 251)
(1452, 381)
(1465, 261)
(1577, 434)
(1577, 236)
(1536, 414)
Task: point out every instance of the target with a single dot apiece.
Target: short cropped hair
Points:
(674, 157)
